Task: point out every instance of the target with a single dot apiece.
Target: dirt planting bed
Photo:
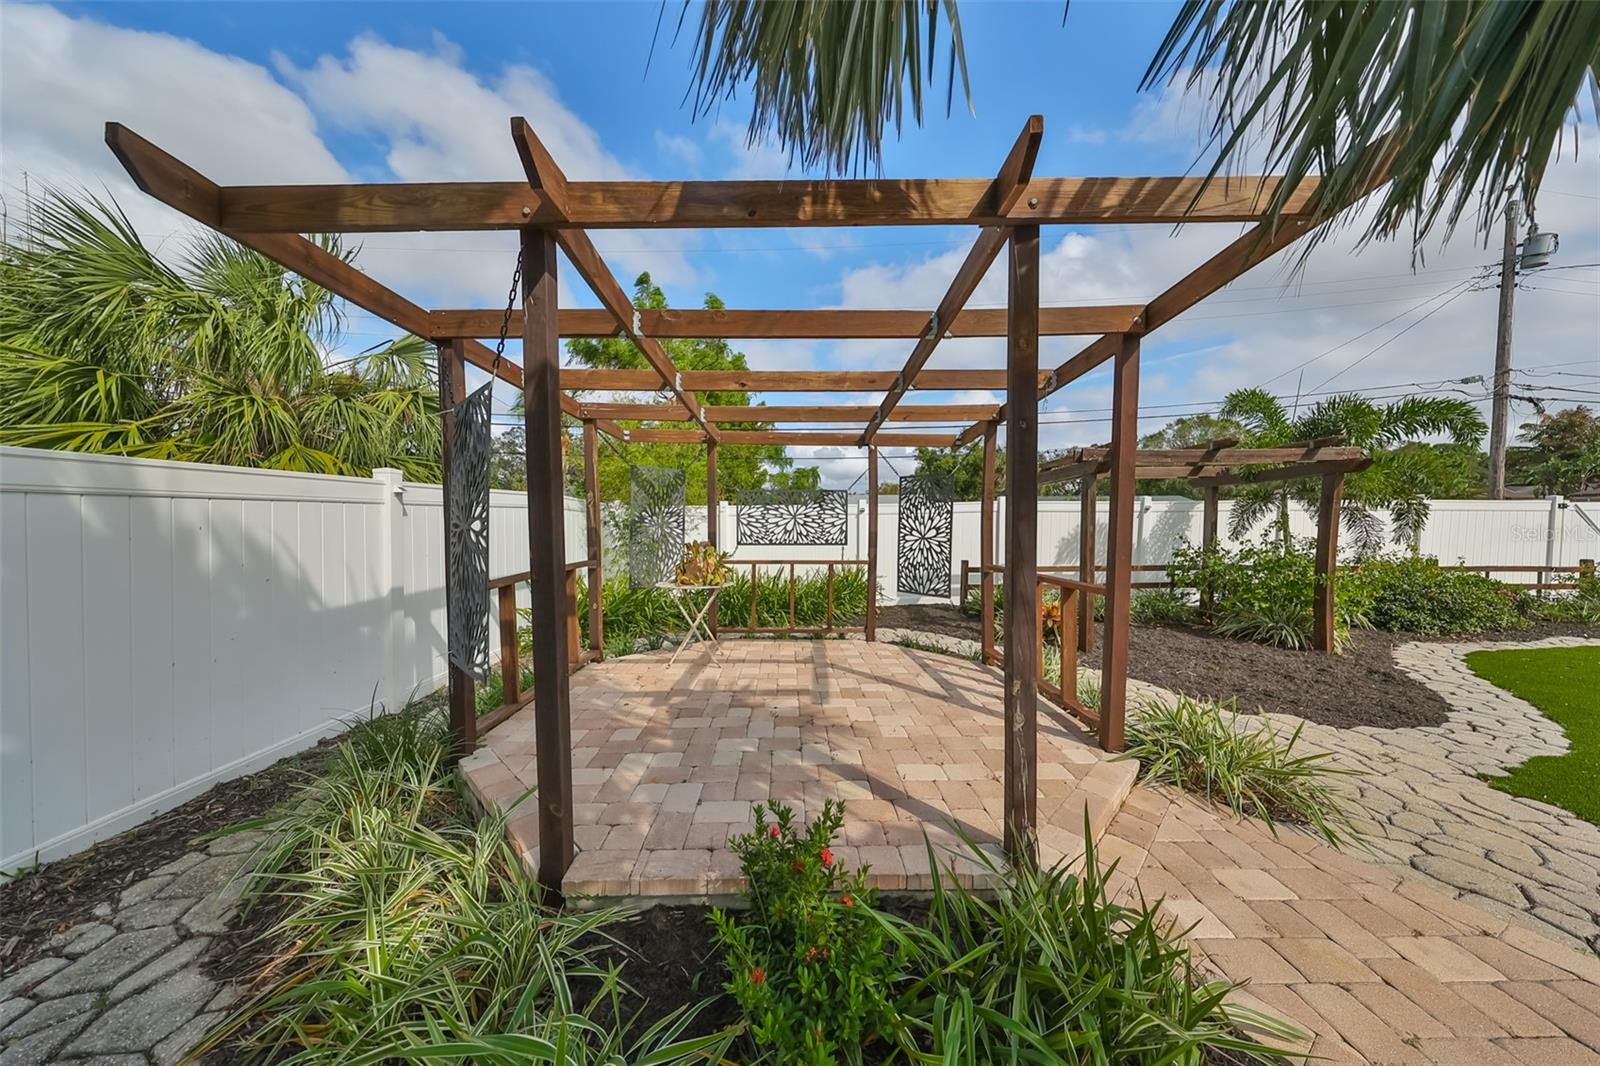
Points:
(1360, 687)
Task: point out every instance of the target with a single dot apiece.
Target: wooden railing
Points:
(512, 697)
(1072, 594)
(1543, 575)
(827, 628)
(972, 575)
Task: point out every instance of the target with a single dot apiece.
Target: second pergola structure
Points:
(549, 212)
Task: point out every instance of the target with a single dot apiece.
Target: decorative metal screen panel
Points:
(467, 550)
(792, 517)
(927, 520)
(655, 524)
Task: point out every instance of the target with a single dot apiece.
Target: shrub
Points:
(1278, 625)
(1266, 591)
(807, 960)
(649, 614)
(1160, 606)
(1051, 970)
(491, 694)
(1414, 594)
(973, 604)
(1582, 607)
(1251, 769)
(406, 930)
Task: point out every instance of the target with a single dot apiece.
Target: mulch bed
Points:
(61, 894)
(1360, 687)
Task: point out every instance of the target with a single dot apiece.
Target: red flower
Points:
(758, 976)
(772, 831)
(826, 856)
(846, 900)
(811, 954)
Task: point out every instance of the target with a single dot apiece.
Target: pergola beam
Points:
(667, 412)
(511, 205)
(546, 178)
(181, 187)
(585, 380)
(789, 438)
(754, 324)
(1260, 243)
(1009, 186)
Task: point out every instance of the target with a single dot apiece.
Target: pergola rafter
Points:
(548, 210)
(1009, 185)
(545, 177)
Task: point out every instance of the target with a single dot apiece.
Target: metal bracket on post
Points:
(933, 326)
(638, 324)
(1050, 382)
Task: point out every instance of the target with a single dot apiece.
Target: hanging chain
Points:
(505, 321)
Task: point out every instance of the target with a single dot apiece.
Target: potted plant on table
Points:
(702, 565)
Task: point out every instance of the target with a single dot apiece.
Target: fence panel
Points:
(167, 625)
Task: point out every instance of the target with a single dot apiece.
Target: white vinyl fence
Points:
(164, 626)
(167, 625)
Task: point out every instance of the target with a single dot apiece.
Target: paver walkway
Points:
(1381, 968)
(668, 759)
(1424, 808)
(127, 988)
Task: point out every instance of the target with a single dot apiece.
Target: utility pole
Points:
(1500, 411)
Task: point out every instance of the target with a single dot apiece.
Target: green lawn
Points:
(1564, 683)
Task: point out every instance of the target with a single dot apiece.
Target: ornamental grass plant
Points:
(1239, 762)
(403, 929)
(1048, 968)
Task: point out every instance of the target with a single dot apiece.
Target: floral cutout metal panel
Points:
(655, 524)
(792, 517)
(927, 516)
(467, 550)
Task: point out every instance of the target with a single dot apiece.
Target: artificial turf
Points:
(1564, 683)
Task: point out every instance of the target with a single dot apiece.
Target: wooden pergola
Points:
(549, 211)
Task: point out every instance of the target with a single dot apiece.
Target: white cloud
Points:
(1258, 329)
(748, 161)
(443, 122)
(234, 121)
(63, 78)
(679, 148)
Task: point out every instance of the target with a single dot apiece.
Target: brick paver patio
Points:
(668, 761)
(1379, 966)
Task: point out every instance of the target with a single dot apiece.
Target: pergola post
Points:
(1119, 544)
(1322, 614)
(1087, 489)
(547, 556)
(596, 540)
(462, 701)
(1021, 588)
(711, 520)
(986, 546)
(1208, 541)
(872, 542)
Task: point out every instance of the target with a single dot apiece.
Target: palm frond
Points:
(1475, 96)
(827, 77)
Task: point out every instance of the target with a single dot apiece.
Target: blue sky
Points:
(379, 92)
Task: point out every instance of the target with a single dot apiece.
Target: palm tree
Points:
(1476, 94)
(1401, 479)
(220, 356)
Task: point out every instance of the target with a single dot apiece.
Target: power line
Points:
(1370, 331)
(1396, 337)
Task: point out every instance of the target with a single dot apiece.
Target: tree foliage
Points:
(738, 466)
(1564, 455)
(1403, 477)
(218, 356)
